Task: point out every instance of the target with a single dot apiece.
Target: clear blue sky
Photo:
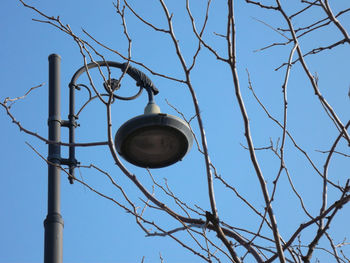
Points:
(95, 229)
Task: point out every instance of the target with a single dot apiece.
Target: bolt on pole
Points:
(53, 249)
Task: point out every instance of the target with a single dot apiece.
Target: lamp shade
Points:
(154, 140)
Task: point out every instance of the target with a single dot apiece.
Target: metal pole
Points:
(54, 222)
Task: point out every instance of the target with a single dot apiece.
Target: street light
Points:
(151, 140)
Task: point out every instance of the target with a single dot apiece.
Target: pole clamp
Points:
(54, 157)
(69, 162)
(53, 218)
(53, 118)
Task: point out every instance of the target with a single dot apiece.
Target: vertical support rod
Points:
(72, 124)
(54, 222)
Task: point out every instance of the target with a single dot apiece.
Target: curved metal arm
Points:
(141, 78)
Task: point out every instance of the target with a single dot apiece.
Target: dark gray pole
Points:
(54, 222)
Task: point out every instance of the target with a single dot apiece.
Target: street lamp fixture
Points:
(151, 140)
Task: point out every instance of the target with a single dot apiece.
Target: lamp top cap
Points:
(54, 55)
